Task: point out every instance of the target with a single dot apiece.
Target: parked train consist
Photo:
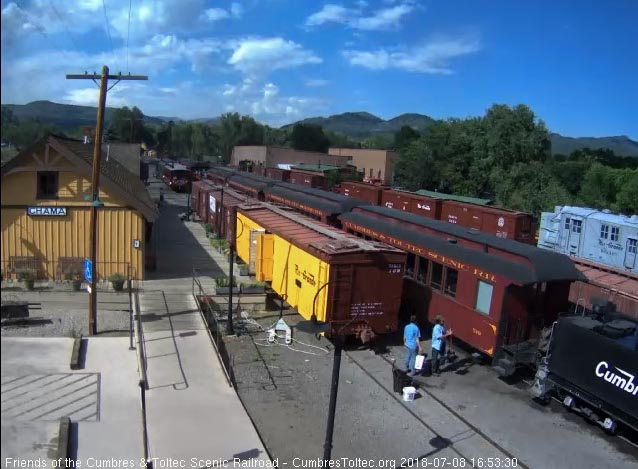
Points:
(591, 364)
(176, 176)
(501, 222)
(352, 284)
(601, 237)
(499, 296)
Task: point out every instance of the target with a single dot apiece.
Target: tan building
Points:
(46, 216)
(376, 165)
(272, 157)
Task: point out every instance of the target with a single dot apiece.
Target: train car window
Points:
(632, 245)
(437, 275)
(409, 265)
(604, 231)
(615, 233)
(484, 297)
(451, 279)
(567, 220)
(422, 270)
(576, 225)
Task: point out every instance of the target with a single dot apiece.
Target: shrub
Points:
(208, 228)
(26, 276)
(224, 281)
(117, 278)
(72, 274)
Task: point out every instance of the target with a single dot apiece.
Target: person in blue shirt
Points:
(439, 333)
(411, 336)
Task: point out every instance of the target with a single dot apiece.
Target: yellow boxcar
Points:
(353, 284)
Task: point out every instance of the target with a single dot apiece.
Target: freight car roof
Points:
(540, 268)
(325, 206)
(459, 198)
(316, 199)
(305, 232)
(249, 182)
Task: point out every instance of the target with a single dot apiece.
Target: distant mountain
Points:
(362, 125)
(357, 125)
(621, 146)
(64, 116)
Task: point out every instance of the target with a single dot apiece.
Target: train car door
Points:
(252, 251)
(630, 253)
(574, 237)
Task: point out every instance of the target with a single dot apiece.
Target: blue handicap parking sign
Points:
(88, 270)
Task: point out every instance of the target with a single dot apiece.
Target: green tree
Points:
(599, 187)
(378, 142)
(627, 195)
(415, 168)
(309, 137)
(529, 187)
(339, 140)
(405, 136)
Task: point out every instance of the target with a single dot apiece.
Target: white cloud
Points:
(385, 18)
(89, 97)
(259, 56)
(432, 57)
(330, 13)
(216, 14)
(316, 82)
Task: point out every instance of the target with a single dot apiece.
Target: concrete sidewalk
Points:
(193, 414)
(102, 400)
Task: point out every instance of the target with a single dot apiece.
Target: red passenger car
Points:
(496, 294)
(176, 176)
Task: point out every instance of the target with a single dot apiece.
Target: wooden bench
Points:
(69, 265)
(23, 264)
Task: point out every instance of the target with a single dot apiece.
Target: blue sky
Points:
(575, 63)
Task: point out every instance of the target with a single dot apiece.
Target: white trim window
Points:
(484, 297)
(604, 231)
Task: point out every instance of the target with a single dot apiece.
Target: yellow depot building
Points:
(46, 215)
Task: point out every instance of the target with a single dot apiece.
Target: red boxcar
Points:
(308, 178)
(359, 190)
(221, 203)
(278, 174)
(199, 198)
(428, 207)
(497, 221)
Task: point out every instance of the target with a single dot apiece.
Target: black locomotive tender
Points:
(591, 365)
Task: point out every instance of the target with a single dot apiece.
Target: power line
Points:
(63, 21)
(108, 28)
(128, 32)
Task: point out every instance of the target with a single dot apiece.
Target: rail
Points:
(206, 308)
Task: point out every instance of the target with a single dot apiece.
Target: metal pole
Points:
(229, 323)
(130, 308)
(95, 192)
(334, 388)
(220, 217)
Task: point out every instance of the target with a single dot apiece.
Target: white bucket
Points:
(408, 393)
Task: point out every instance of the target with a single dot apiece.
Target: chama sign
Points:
(47, 211)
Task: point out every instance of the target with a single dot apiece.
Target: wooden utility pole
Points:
(95, 180)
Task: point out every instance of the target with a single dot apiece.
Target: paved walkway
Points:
(102, 400)
(192, 412)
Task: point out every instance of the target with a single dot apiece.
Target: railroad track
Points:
(441, 442)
